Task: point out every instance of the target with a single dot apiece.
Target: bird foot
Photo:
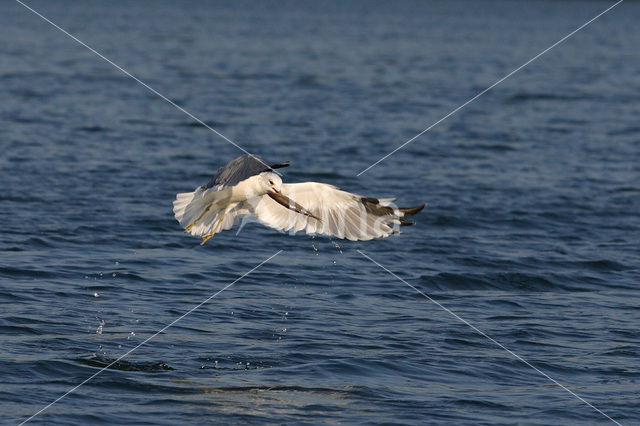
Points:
(206, 238)
(191, 225)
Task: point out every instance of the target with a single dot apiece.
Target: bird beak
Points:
(290, 204)
(275, 190)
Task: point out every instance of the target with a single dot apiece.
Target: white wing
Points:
(342, 214)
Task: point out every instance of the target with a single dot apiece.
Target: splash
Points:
(100, 327)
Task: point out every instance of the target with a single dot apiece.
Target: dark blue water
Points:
(531, 231)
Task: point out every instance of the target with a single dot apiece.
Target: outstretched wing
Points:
(332, 212)
(238, 170)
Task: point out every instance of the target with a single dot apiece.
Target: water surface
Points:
(530, 234)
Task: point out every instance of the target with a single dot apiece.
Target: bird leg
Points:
(192, 224)
(206, 237)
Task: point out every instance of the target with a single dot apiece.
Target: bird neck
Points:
(246, 189)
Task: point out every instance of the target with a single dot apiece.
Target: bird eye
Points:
(270, 182)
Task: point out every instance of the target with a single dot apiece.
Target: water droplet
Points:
(95, 294)
(100, 327)
(117, 263)
(113, 275)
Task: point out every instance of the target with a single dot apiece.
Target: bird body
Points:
(247, 187)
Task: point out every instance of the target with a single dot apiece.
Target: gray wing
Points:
(238, 170)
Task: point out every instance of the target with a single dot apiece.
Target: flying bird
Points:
(248, 187)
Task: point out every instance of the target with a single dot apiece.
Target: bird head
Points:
(271, 182)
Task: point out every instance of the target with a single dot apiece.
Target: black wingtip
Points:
(410, 211)
(280, 165)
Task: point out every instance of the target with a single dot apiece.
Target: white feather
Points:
(342, 214)
(204, 207)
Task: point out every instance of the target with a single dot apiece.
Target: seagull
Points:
(248, 187)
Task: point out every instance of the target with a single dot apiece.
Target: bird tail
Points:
(181, 203)
(192, 209)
